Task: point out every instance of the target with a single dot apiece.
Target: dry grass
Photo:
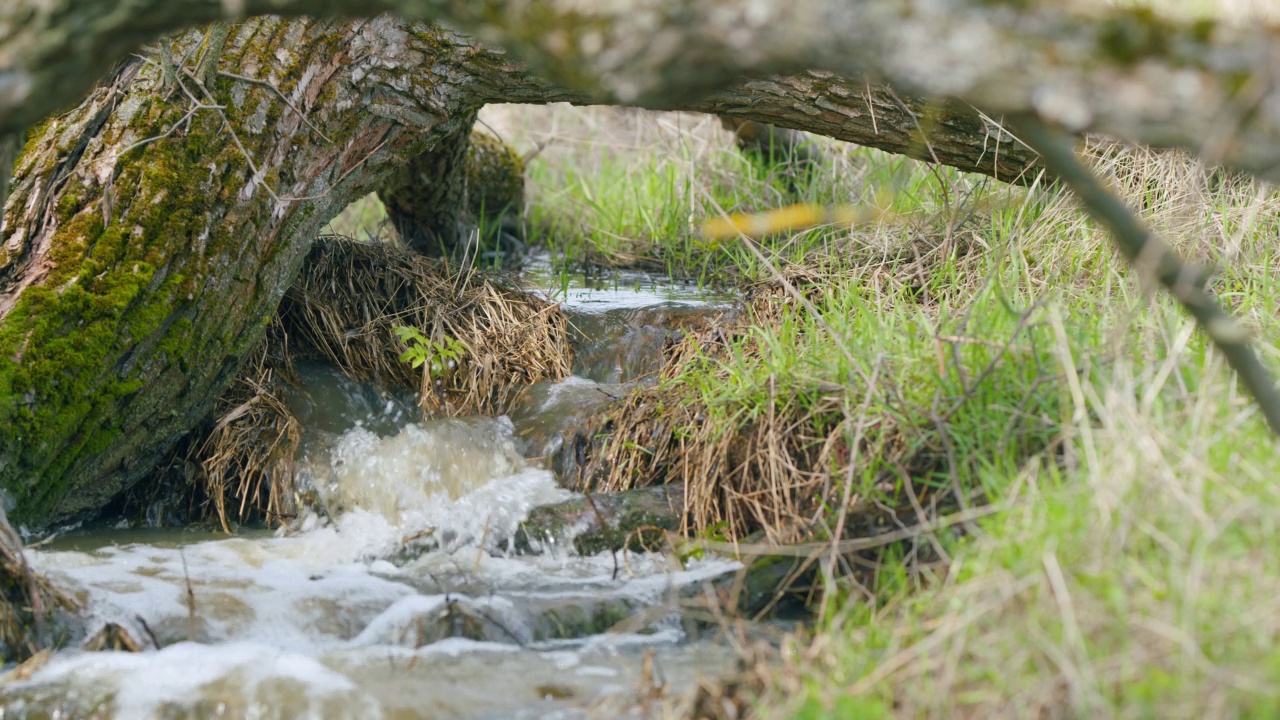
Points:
(770, 473)
(239, 466)
(350, 297)
(29, 602)
(248, 458)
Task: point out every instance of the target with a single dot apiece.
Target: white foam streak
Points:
(301, 625)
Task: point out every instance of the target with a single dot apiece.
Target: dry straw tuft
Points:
(28, 601)
(248, 459)
(775, 472)
(350, 297)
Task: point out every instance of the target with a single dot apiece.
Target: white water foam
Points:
(305, 625)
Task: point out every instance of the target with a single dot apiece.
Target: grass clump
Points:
(30, 603)
(1133, 580)
(778, 432)
(983, 348)
(248, 458)
(351, 297)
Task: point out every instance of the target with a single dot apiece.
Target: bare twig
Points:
(215, 41)
(283, 98)
(853, 544)
(147, 629)
(1151, 257)
(172, 128)
(607, 529)
(8, 156)
(191, 599)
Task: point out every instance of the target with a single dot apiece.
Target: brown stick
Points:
(1151, 257)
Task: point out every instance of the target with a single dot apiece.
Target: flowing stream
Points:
(405, 598)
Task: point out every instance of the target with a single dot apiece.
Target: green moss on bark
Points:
(68, 347)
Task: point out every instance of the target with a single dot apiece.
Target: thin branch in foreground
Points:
(1151, 257)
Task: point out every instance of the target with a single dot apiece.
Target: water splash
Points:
(309, 624)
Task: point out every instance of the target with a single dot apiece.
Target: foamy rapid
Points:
(336, 620)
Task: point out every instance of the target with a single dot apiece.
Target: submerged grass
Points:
(984, 346)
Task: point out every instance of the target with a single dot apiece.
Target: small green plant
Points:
(440, 357)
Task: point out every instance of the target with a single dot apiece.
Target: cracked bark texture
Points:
(426, 198)
(148, 240)
(1130, 72)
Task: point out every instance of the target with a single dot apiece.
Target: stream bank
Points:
(405, 584)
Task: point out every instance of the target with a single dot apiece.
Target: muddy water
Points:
(402, 597)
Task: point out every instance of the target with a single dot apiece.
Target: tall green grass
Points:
(1132, 568)
(604, 195)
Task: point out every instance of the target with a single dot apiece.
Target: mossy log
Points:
(437, 199)
(152, 230)
(426, 197)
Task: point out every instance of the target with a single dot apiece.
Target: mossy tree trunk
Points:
(426, 197)
(152, 230)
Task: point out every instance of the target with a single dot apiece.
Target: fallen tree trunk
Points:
(426, 197)
(1203, 85)
(153, 230)
(467, 183)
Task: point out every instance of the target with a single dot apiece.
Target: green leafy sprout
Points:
(440, 356)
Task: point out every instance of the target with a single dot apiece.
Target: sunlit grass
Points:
(1131, 570)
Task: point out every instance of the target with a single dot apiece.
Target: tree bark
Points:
(426, 198)
(947, 132)
(1129, 72)
(153, 230)
(469, 186)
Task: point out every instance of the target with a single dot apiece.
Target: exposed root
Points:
(350, 297)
